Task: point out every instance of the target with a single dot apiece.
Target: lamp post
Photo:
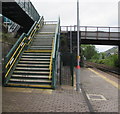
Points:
(78, 52)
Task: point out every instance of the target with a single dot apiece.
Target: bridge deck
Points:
(94, 35)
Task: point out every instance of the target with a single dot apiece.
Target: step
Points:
(39, 51)
(44, 37)
(37, 54)
(35, 62)
(32, 65)
(42, 43)
(24, 56)
(26, 68)
(27, 59)
(30, 76)
(41, 46)
(29, 85)
(30, 80)
(45, 72)
(46, 33)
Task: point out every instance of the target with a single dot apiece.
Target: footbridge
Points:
(21, 12)
(97, 35)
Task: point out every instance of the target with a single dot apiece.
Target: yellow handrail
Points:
(15, 52)
(15, 60)
(34, 30)
(50, 66)
(53, 49)
(19, 47)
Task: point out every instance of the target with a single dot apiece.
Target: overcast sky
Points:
(92, 12)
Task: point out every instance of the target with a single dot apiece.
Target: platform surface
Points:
(100, 88)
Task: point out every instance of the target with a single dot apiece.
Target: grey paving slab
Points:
(96, 85)
(66, 76)
(64, 99)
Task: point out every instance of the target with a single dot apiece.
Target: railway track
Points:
(104, 68)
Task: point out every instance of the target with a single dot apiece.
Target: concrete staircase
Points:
(33, 68)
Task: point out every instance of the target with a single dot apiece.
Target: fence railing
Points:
(28, 7)
(55, 54)
(90, 28)
(50, 22)
(15, 53)
(93, 32)
(13, 27)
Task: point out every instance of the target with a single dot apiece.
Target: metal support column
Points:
(1, 58)
(71, 58)
(78, 52)
(119, 54)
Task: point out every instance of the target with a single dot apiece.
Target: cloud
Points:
(92, 12)
(103, 48)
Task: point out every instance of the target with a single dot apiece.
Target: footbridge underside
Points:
(21, 12)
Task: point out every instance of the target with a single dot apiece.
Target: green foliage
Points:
(109, 61)
(103, 55)
(8, 37)
(89, 52)
(112, 60)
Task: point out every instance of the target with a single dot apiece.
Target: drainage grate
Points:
(96, 97)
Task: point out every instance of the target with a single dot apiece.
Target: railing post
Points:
(67, 28)
(97, 33)
(85, 32)
(109, 34)
(74, 27)
(53, 74)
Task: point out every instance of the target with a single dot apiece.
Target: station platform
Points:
(101, 90)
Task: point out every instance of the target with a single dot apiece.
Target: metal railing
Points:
(28, 7)
(13, 27)
(90, 28)
(15, 53)
(94, 32)
(54, 55)
(50, 22)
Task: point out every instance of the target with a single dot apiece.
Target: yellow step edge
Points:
(38, 51)
(25, 85)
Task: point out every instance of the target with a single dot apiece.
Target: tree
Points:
(89, 51)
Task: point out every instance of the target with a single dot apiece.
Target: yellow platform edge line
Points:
(38, 51)
(106, 79)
